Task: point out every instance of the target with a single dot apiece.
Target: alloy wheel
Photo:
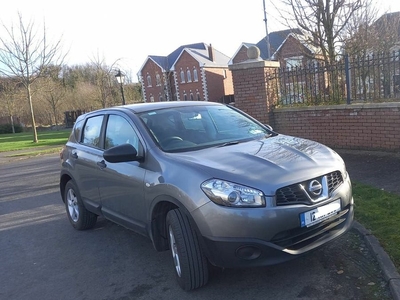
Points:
(174, 250)
(73, 208)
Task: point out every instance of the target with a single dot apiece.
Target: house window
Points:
(294, 93)
(160, 98)
(293, 62)
(198, 96)
(188, 75)
(224, 73)
(195, 76)
(158, 79)
(191, 96)
(151, 98)
(184, 96)
(148, 80)
(182, 76)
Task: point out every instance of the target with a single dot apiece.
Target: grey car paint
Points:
(131, 192)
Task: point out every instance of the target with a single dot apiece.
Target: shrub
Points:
(7, 128)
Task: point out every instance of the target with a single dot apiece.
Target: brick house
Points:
(288, 46)
(291, 50)
(191, 72)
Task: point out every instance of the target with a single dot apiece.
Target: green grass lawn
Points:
(24, 140)
(379, 211)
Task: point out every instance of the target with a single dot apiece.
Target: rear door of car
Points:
(121, 184)
(86, 155)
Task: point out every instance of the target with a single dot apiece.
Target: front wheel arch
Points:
(159, 235)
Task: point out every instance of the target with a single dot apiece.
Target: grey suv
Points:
(207, 182)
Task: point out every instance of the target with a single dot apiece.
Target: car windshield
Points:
(195, 127)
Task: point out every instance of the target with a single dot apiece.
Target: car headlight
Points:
(231, 194)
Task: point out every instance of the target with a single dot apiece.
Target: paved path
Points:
(378, 169)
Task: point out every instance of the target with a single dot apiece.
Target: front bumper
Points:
(250, 252)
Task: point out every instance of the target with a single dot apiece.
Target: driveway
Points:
(43, 257)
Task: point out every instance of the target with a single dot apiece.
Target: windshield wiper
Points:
(229, 144)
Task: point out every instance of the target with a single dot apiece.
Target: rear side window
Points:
(91, 131)
(77, 130)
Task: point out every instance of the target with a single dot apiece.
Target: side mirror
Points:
(121, 153)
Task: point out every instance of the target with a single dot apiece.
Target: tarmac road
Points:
(43, 257)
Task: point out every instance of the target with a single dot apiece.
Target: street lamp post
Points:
(120, 78)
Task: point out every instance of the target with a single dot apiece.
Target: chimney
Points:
(211, 53)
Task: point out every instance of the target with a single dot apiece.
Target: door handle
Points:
(74, 154)
(102, 164)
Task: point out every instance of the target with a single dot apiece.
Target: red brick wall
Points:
(151, 68)
(217, 82)
(186, 61)
(240, 56)
(251, 92)
(356, 126)
(293, 48)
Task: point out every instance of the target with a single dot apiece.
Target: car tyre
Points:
(191, 266)
(78, 215)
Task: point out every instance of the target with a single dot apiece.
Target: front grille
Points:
(297, 193)
(334, 180)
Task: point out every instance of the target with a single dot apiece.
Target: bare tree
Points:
(359, 37)
(322, 21)
(103, 79)
(371, 39)
(25, 54)
(8, 89)
(53, 91)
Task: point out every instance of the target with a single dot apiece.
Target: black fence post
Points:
(348, 81)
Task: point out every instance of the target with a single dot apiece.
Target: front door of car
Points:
(121, 184)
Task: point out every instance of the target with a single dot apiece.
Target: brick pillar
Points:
(255, 92)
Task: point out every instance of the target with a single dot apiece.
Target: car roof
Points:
(143, 107)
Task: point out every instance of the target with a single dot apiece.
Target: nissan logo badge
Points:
(315, 187)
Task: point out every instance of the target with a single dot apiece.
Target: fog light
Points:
(248, 252)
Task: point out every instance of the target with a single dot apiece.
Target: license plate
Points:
(319, 214)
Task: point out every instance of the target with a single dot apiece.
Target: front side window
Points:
(119, 131)
(92, 130)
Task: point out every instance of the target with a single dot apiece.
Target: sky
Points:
(125, 32)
